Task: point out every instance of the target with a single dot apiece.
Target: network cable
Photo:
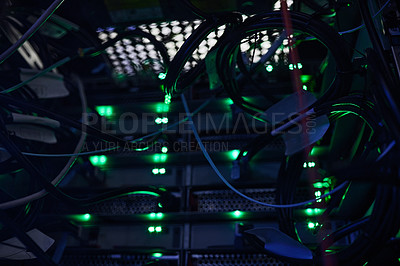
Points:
(223, 179)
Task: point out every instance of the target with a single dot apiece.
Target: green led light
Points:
(158, 229)
(317, 194)
(161, 107)
(151, 229)
(162, 76)
(245, 153)
(162, 171)
(157, 255)
(98, 160)
(158, 120)
(269, 68)
(291, 66)
(233, 154)
(313, 211)
(159, 205)
(103, 159)
(105, 110)
(237, 214)
(154, 215)
(311, 164)
(228, 101)
(311, 225)
(163, 158)
(164, 120)
(155, 171)
(167, 99)
(305, 78)
(299, 66)
(320, 185)
(164, 149)
(81, 217)
(305, 87)
(305, 165)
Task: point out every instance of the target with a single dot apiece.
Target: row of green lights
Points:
(293, 66)
(318, 194)
(321, 185)
(157, 171)
(152, 229)
(313, 211)
(159, 120)
(158, 215)
(105, 110)
(160, 158)
(167, 99)
(98, 160)
(309, 164)
(312, 225)
(161, 108)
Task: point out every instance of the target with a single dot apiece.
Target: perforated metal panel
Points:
(235, 260)
(132, 204)
(100, 260)
(211, 201)
(227, 200)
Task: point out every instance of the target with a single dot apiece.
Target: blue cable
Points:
(223, 179)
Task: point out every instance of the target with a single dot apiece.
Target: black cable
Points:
(197, 11)
(382, 58)
(25, 239)
(305, 23)
(29, 107)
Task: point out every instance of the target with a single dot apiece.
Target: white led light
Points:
(170, 45)
(174, 23)
(126, 41)
(176, 29)
(211, 42)
(178, 38)
(102, 36)
(113, 35)
(139, 47)
(245, 46)
(155, 31)
(165, 31)
(149, 47)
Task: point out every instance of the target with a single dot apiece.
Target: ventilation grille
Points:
(227, 200)
(106, 260)
(132, 204)
(235, 260)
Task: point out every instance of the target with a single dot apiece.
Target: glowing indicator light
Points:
(98, 160)
(158, 229)
(151, 229)
(105, 110)
(162, 171)
(305, 87)
(157, 255)
(312, 225)
(237, 214)
(269, 68)
(155, 171)
(162, 76)
(164, 149)
(234, 154)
